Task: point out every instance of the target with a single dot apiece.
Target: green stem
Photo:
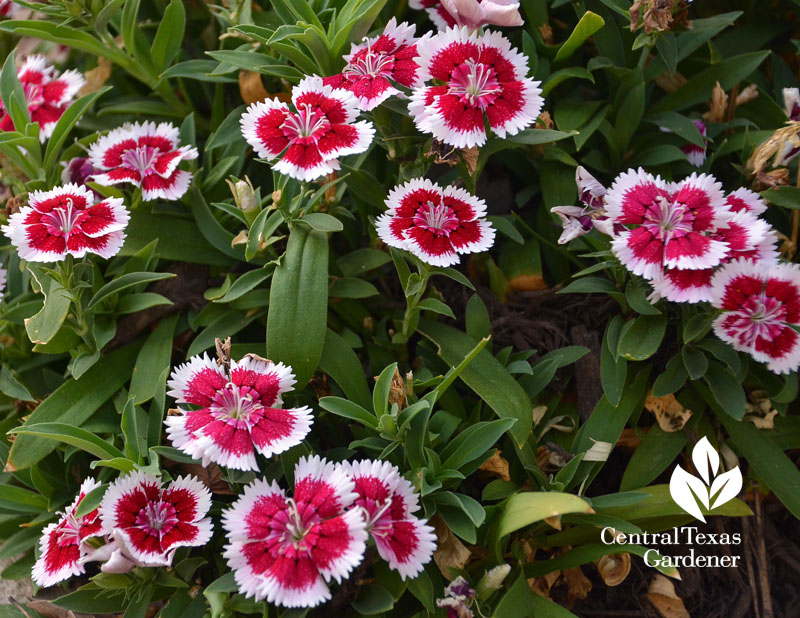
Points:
(425, 272)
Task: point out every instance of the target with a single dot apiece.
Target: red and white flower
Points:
(239, 412)
(477, 79)
(667, 225)
(66, 220)
(287, 549)
(309, 140)
(47, 94)
(63, 547)
(791, 103)
(435, 224)
(146, 155)
(374, 66)
(760, 303)
(152, 521)
(8, 8)
(406, 542)
(747, 200)
(471, 13)
(745, 235)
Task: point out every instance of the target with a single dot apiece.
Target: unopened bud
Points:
(243, 194)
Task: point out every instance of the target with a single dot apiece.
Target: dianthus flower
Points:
(66, 220)
(239, 414)
(406, 542)
(760, 304)
(471, 13)
(477, 79)
(147, 156)
(579, 220)
(286, 550)
(667, 225)
(63, 547)
(47, 94)
(374, 66)
(435, 224)
(309, 140)
(152, 521)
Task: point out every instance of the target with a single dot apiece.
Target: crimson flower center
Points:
(437, 218)
(370, 64)
(157, 518)
(236, 402)
(300, 521)
(475, 84)
(306, 125)
(667, 219)
(140, 159)
(34, 94)
(61, 221)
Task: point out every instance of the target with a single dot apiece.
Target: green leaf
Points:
(362, 260)
(613, 369)
(589, 553)
(586, 27)
(563, 75)
(296, 323)
(123, 283)
(352, 287)
(726, 390)
(641, 338)
(253, 61)
(372, 600)
(153, 359)
(69, 434)
(526, 508)
(540, 136)
(11, 88)
(133, 430)
(197, 69)
(341, 363)
(64, 35)
(380, 393)
(323, 222)
(130, 13)
(72, 403)
(437, 306)
(658, 449)
(13, 388)
(788, 197)
(170, 33)
(473, 442)
(133, 303)
(21, 500)
(476, 316)
(680, 125)
(42, 327)
(91, 501)
(244, 284)
(673, 378)
(659, 503)
(694, 361)
(485, 376)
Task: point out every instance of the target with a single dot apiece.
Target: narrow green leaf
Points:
(123, 283)
(586, 27)
(170, 33)
(69, 434)
(153, 359)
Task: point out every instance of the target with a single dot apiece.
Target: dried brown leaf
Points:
(553, 521)
(542, 585)
(251, 87)
(497, 465)
(669, 412)
(614, 568)
(95, 78)
(578, 585)
(670, 82)
(48, 610)
(662, 595)
(450, 552)
(210, 476)
(397, 390)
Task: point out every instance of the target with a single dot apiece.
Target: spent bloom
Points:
(63, 545)
(579, 220)
(406, 542)
(66, 220)
(287, 549)
(308, 140)
(376, 64)
(667, 224)
(151, 521)
(47, 94)
(435, 224)
(760, 304)
(475, 79)
(146, 155)
(458, 599)
(471, 13)
(238, 413)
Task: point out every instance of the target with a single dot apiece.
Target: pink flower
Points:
(63, 547)
(151, 521)
(791, 103)
(744, 199)
(406, 542)
(579, 220)
(239, 414)
(47, 94)
(65, 220)
(745, 235)
(458, 599)
(287, 549)
(147, 156)
(667, 225)
(439, 15)
(478, 79)
(471, 13)
(695, 154)
(374, 65)
(760, 303)
(309, 140)
(435, 224)
(8, 8)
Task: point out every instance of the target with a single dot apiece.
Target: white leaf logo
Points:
(687, 490)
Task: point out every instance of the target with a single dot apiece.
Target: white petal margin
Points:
(120, 214)
(635, 264)
(664, 287)
(421, 555)
(533, 104)
(39, 64)
(249, 125)
(207, 449)
(382, 227)
(713, 190)
(428, 49)
(314, 83)
(448, 258)
(40, 574)
(235, 518)
(178, 185)
(324, 471)
(717, 250)
(323, 168)
(311, 596)
(497, 40)
(37, 197)
(484, 243)
(263, 366)
(105, 142)
(342, 565)
(730, 271)
(752, 201)
(183, 374)
(74, 81)
(181, 439)
(395, 198)
(202, 497)
(615, 197)
(303, 420)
